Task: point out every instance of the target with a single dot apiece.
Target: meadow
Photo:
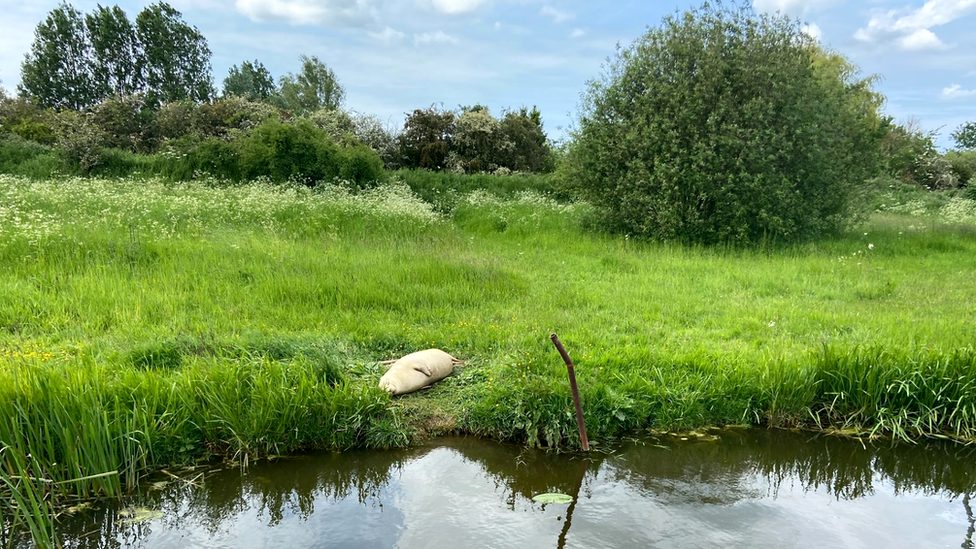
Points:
(146, 323)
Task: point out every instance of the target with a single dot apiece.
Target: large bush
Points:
(910, 155)
(427, 138)
(723, 126)
(963, 165)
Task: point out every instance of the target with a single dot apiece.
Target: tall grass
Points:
(144, 323)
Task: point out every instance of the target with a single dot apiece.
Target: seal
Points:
(417, 370)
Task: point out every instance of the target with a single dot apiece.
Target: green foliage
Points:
(479, 142)
(115, 52)
(283, 152)
(126, 122)
(444, 190)
(336, 123)
(719, 126)
(79, 138)
(427, 138)
(29, 121)
(77, 61)
(963, 165)
(360, 165)
(55, 72)
(372, 132)
(314, 87)
(26, 157)
(251, 81)
(911, 156)
(212, 157)
(175, 58)
(530, 151)
(227, 118)
(230, 116)
(906, 396)
(965, 135)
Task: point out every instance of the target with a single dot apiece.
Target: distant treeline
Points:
(105, 95)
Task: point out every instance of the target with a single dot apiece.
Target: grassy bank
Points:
(144, 323)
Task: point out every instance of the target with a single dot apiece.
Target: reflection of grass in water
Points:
(723, 470)
(169, 321)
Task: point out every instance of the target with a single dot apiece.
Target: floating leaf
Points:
(138, 514)
(552, 497)
(78, 508)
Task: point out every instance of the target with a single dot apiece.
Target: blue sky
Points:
(395, 56)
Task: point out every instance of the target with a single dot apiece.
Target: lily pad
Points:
(552, 497)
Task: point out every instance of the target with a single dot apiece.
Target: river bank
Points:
(144, 324)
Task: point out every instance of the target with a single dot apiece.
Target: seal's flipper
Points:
(424, 369)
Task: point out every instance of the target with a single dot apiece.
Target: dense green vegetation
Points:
(144, 323)
(183, 276)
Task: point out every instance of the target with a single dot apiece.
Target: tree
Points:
(478, 140)
(175, 60)
(55, 72)
(426, 138)
(314, 87)
(965, 135)
(718, 127)
(372, 132)
(530, 146)
(910, 155)
(251, 81)
(115, 48)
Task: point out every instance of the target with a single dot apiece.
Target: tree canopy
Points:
(77, 61)
(724, 126)
(314, 87)
(250, 81)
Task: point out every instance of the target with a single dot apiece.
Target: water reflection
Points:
(750, 488)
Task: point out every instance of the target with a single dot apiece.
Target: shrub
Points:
(361, 165)
(373, 133)
(479, 141)
(963, 166)
(721, 126)
(79, 139)
(426, 138)
(27, 120)
(530, 151)
(911, 156)
(336, 123)
(175, 120)
(126, 122)
(23, 157)
(223, 116)
(282, 151)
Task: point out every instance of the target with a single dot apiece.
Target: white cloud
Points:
(388, 35)
(791, 7)
(955, 91)
(558, 16)
(920, 40)
(439, 37)
(577, 33)
(456, 6)
(812, 30)
(910, 30)
(332, 13)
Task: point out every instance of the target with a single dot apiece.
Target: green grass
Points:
(144, 323)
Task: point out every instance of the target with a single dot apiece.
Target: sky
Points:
(396, 56)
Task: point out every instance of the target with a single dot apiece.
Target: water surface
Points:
(740, 488)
